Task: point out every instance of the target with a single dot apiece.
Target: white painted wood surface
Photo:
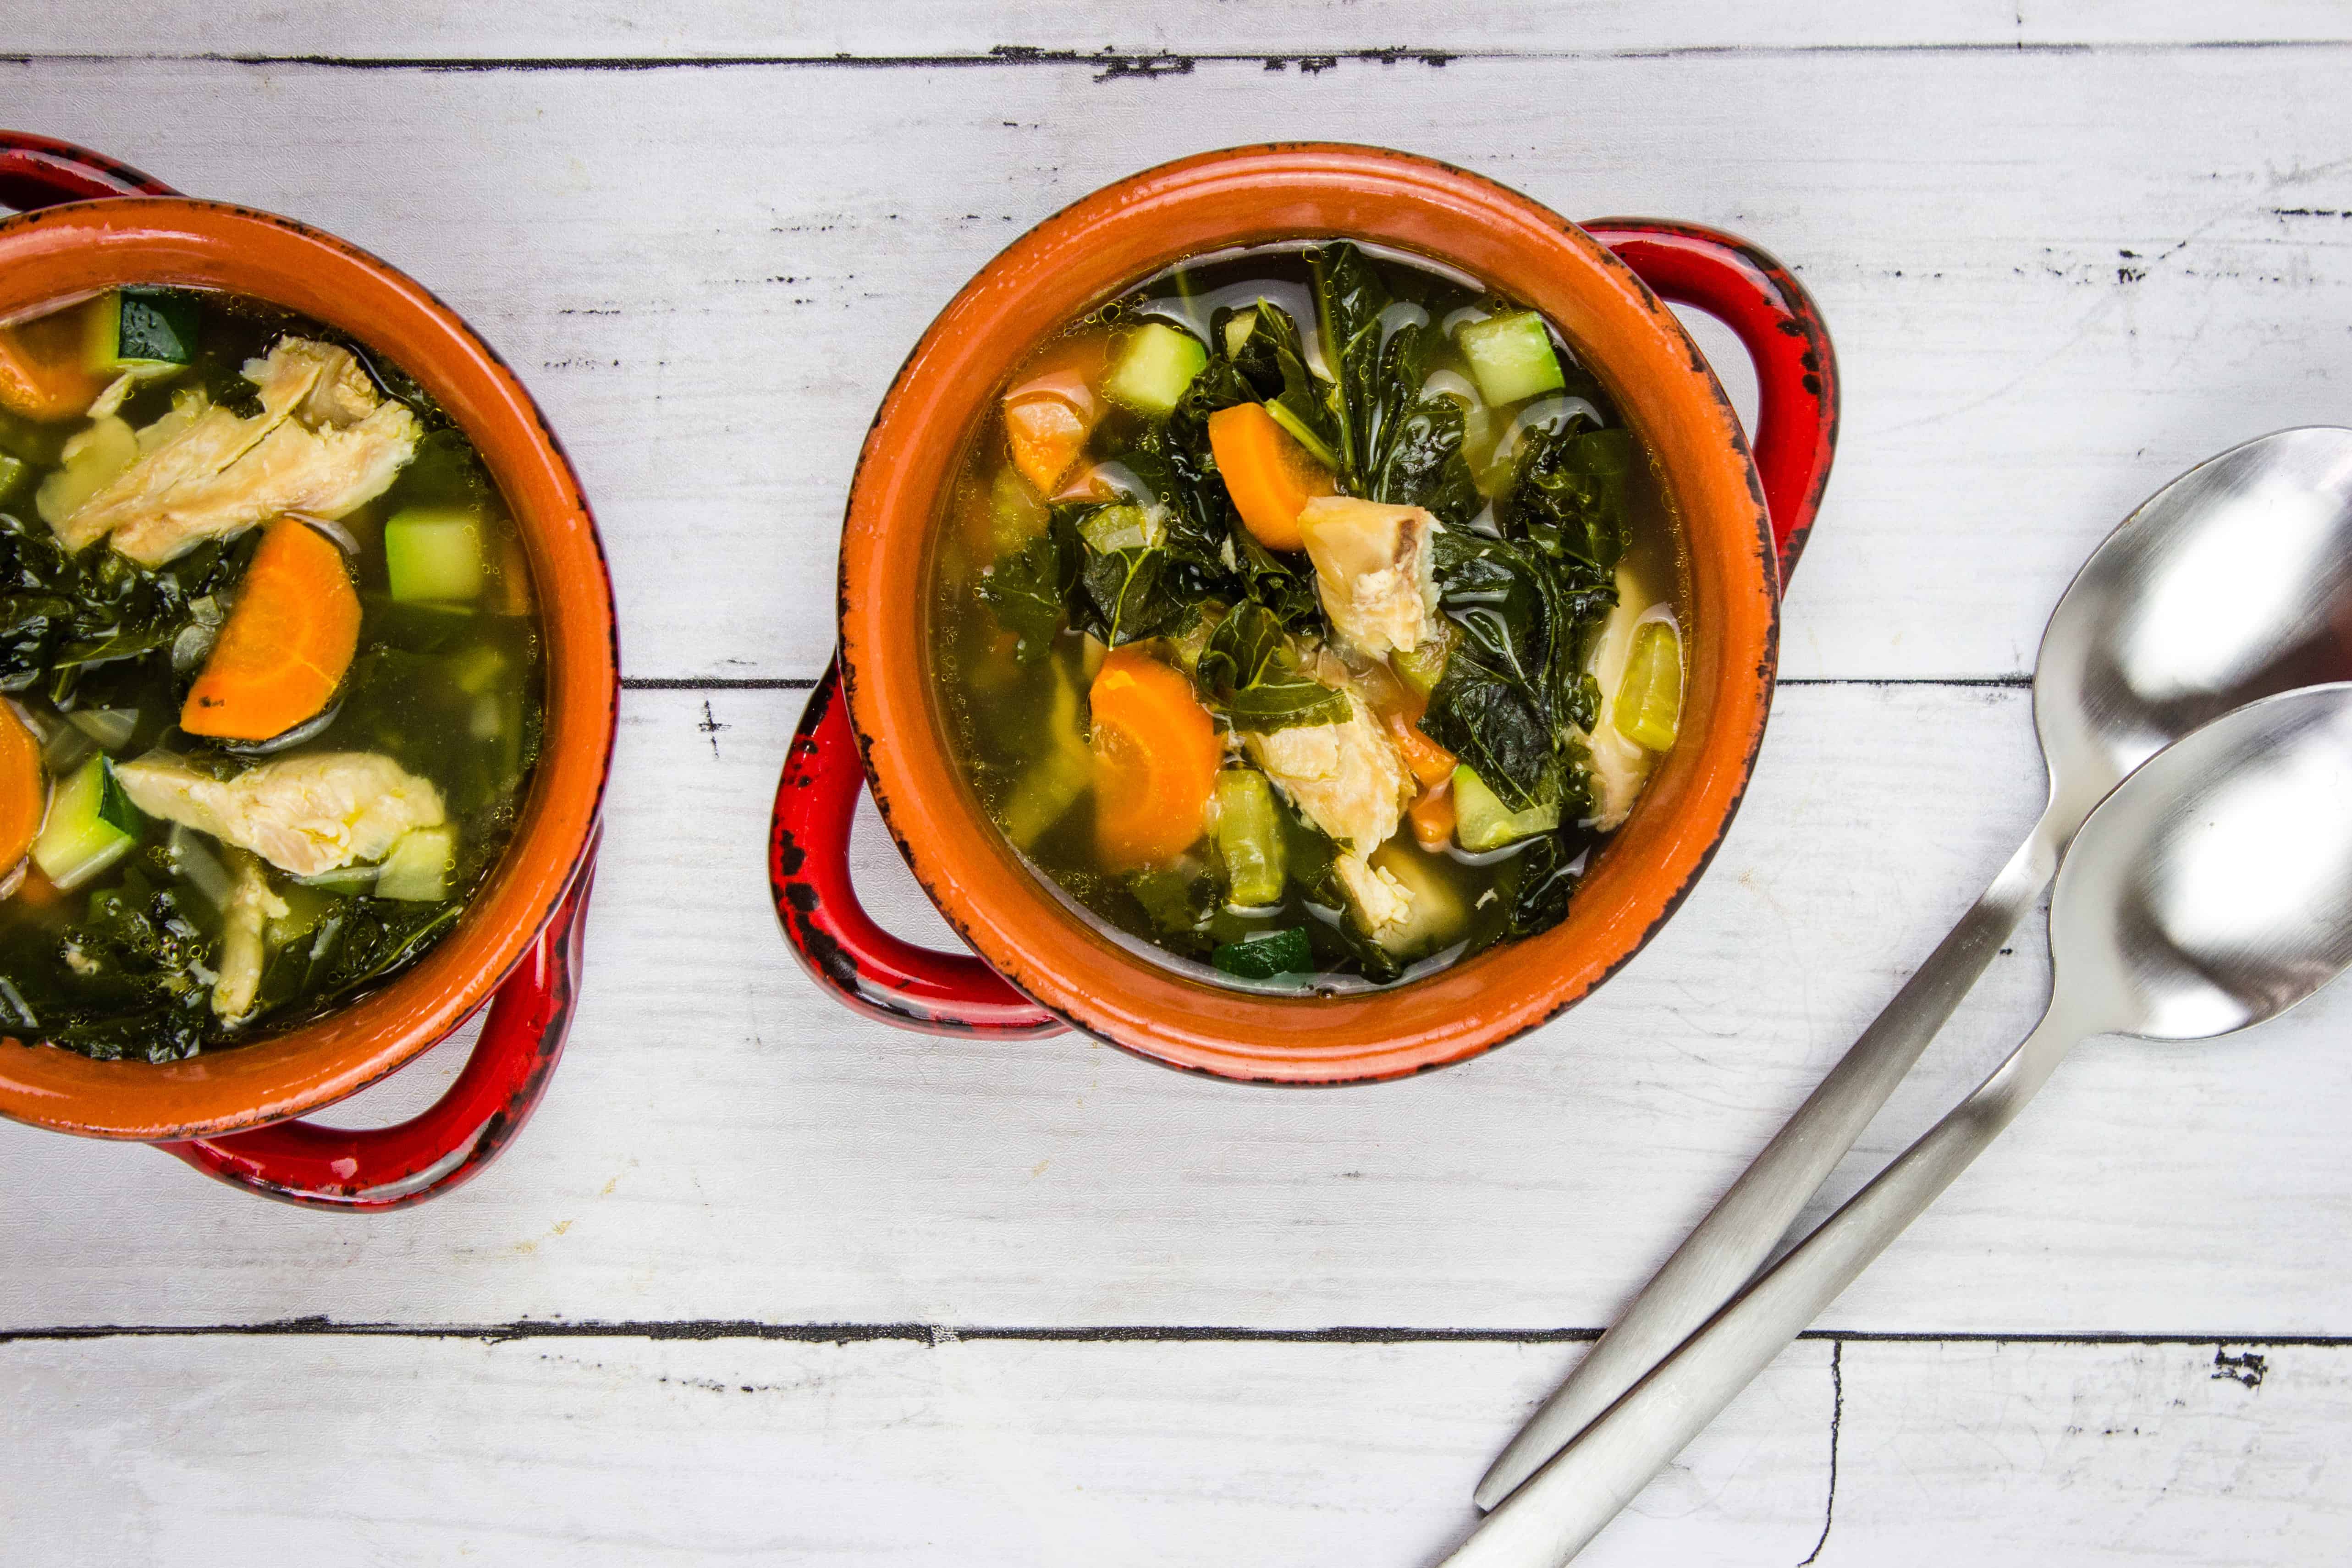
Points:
(709, 274)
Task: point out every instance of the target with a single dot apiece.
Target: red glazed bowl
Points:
(1040, 966)
(517, 940)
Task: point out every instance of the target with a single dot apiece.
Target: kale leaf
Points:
(1566, 496)
(1351, 300)
(60, 612)
(1252, 672)
(1029, 588)
(1272, 363)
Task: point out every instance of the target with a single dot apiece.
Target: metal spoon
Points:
(2211, 891)
(2231, 583)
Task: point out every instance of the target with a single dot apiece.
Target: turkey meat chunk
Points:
(1347, 780)
(301, 814)
(1373, 572)
(324, 442)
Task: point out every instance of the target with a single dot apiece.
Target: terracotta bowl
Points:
(53, 255)
(1062, 971)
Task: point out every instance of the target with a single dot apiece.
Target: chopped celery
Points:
(434, 552)
(417, 870)
(1155, 364)
(150, 332)
(1266, 957)
(1122, 527)
(1481, 821)
(1511, 356)
(90, 825)
(1649, 706)
(1249, 837)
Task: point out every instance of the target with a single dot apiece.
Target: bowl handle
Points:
(450, 1143)
(1779, 324)
(881, 976)
(37, 172)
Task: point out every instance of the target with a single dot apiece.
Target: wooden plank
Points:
(629, 1451)
(583, 28)
(724, 1142)
(1974, 1454)
(711, 304)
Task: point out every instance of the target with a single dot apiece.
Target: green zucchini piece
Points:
(13, 472)
(1481, 821)
(417, 870)
(1238, 327)
(1649, 706)
(150, 332)
(91, 824)
(1266, 957)
(434, 552)
(1249, 839)
(1109, 529)
(1155, 364)
(1511, 356)
(1422, 668)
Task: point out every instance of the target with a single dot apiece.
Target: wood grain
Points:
(725, 1141)
(2056, 278)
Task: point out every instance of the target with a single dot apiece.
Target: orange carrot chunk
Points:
(42, 371)
(1269, 475)
(1432, 817)
(286, 644)
(1427, 762)
(24, 794)
(1156, 754)
(1052, 409)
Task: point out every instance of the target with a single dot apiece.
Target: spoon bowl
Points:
(2211, 891)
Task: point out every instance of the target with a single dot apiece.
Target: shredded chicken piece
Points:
(1381, 901)
(1346, 776)
(251, 907)
(324, 442)
(1373, 572)
(301, 814)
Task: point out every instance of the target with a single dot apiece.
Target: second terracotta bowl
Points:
(1059, 969)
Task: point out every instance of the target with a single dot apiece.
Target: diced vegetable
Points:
(23, 790)
(1122, 527)
(1238, 327)
(41, 372)
(1649, 705)
(434, 552)
(1433, 914)
(92, 460)
(1423, 667)
(1427, 762)
(1249, 837)
(417, 870)
(1620, 765)
(1052, 410)
(1266, 957)
(1483, 823)
(288, 641)
(1511, 356)
(91, 824)
(1268, 474)
(1017, 514)
(1052, 785)
(1155, 364)
(1432, 817)
(305, 907)
(342, 879)
(150, 332)
(1156, 759)
(13, 471)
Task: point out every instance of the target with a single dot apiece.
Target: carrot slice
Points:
(1432, 816)
(24, 794)
(1156, 756)
(1426, 760)
(1052, 409)
(287, 643)
(1269, 475)
(42, 371)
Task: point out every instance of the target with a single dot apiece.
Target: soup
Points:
(271, 667)
(1306, 616)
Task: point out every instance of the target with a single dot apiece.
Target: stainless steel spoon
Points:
(2231, 583)
(2211, 891)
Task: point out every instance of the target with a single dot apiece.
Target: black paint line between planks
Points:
(803, 683)
(1115, 65)
(1131, 1333)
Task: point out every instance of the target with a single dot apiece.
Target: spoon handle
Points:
(1566, 1503)
(1738, 1236)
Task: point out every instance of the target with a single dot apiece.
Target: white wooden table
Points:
(763, 1280)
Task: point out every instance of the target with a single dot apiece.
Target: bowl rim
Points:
(52, 256)
(1119, 235)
